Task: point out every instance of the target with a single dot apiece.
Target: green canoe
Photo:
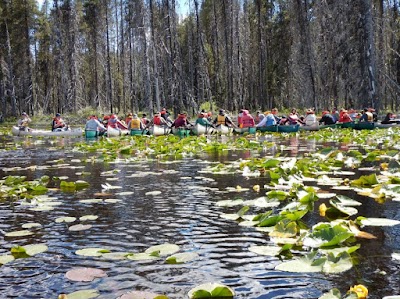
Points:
(91, 133)
(288, 129)
(137, 132)
(273, 128)
(181, 132)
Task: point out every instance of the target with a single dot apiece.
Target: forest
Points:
(141, 55)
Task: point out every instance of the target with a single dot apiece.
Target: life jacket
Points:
(145, 120)
(135, 124)
(57, 123)
(370, 116)
(247, 120)
(112, 123)
(221, 119)
(180, 121)
(157, 120)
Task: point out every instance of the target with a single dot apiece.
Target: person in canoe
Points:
(259, 117)
(274, 112)
(389, 119)
(247, 120)
(166, 116)
(223, 119)
(157, 120)
(58, 124)
(327, 118)
(367, 116)
(239, 119)
(374, 114)
(128, 118)
(344, 116)
(292, 119)
(145, 121)
(181, 121)
(93, 124)
(115, 123)
(23, 122)
(203, 120)
(268, 120)
(135, 123)
(310, 119)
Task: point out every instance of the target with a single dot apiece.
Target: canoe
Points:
(159, 130)
(309, 128)
(346, 125)
(250, 130)
(386, 126)
(364, 126)
(288, 128)
(199, 129)
(91, 133)
(181, 132)
(111, 132)
(138, 132)
(69, 133)
(273, 128)
(224, 130)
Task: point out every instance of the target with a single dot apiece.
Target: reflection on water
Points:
(185, 214)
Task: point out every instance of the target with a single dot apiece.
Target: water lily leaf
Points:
(153, 193)
(211, 290)
(34, 249)
(107, 186)
(163, 249)
(91, 251)
(343, 208)
(142, 295)
(333, 294)
(124, 193)
(42, 208)
(85, 274)
(347, 201)
(19, 233)
(285, 229)
(88, 217)
(392, 297)
(229, 203)
(79, 227)
(366, 180)
(325, 235)
(230, 216)
(306, 264)
(115, 255)
(65, 219)
(281, 195)
(396, 256)
(83, 294)
(112, 200)
(338, 265)
(266, 250)
(32, 225)
(79, 184)
(92, 200)
(377, 221)
(142, 256)
(181, 258)
(4, 259)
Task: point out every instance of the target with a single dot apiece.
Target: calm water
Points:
(184, 214)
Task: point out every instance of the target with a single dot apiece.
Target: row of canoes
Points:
(202, 130)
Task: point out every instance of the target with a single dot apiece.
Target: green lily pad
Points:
(19, 233)
(302, 265)
(112, 200)
(91, 200)
(211, 290)
(88, 217)
(34, 249)
(378, 222)
(153, 193)
(79, 227)
(124, 193)
(266, 250)
(83, 294)
(341, 265)
(65, 219)
(92, 251)
(32, 225)
(229, 203)
(142, 295)
(4, 259)
(181, 258)
(163, 249)
(142, 256)
(115, 255)
(343, 208)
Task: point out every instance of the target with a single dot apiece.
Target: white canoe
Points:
(224, 130)
(75, 132)
(159, 130)
(199, 129)
(111, 132)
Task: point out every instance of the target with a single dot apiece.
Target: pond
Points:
(145, 199)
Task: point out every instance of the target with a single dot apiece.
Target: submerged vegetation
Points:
(303, 199)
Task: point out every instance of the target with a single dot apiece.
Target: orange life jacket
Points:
(221, 119)
(135, 124)
(157, 120)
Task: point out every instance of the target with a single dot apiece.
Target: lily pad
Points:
(83, 294)
(181, 258)
(396, 256)
(163, 249)
(79, 227)
(302, 265)
(4, 259)
(92, 200)
(32, 225)
(378, 222)
(266, 250)
(88, 217)
(92, 251)
(19, 233)
(153, 193)
(34, 249)
(85, 274)
(124, 193)
(65, 219)
(112, 200)
(211, 290)
(115, 255)
(142, 256)
(142, 295)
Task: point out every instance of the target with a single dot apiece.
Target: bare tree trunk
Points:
(155, 64)
(10, 89)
